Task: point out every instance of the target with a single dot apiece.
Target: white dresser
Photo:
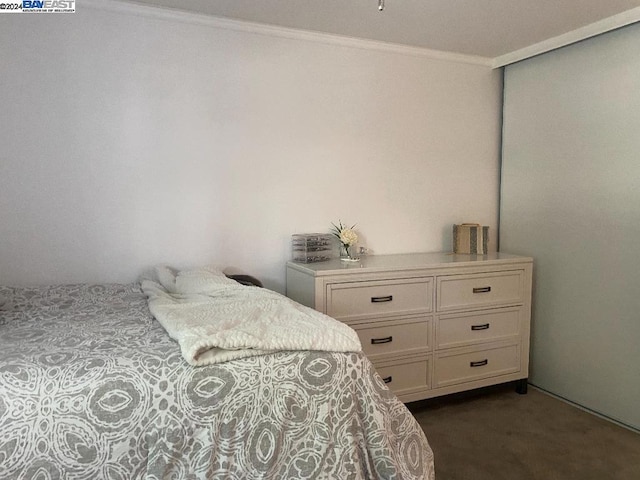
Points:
(431, 323)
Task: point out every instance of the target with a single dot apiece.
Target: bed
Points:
(93, 387)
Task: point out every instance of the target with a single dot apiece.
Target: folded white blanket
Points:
(215, 319)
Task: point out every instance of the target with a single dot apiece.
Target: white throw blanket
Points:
(215, 319)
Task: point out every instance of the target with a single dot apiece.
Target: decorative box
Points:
(312, 247)
(471, 238)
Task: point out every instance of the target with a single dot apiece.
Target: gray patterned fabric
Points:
(92, 387)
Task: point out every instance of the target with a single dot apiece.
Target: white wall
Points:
(571, 199)
(128, 139)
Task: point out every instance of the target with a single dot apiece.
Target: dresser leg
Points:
(521, 386)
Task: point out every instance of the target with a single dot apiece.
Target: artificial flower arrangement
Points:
(348, 238)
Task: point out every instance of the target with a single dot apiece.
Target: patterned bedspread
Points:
(92, 387)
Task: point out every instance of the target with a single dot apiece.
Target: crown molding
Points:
(169, 14)
(597, 28)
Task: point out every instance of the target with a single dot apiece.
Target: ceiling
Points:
(485, 28)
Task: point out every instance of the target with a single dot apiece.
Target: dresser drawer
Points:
(404, 336)
(480, 290)
(478, 327)
(453, 368)
(405, 376)
(354, 300)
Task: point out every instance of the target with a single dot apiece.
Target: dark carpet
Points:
(495, 434)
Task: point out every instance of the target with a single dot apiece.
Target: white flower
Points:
(348, 237)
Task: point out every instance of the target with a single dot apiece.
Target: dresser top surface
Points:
(405, 261)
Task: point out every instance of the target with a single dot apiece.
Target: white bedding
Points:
(214, 319)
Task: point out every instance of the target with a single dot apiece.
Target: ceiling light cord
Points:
(380, 5)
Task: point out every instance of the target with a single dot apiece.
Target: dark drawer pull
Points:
(378, 341)
(388, 298)
(481, 363)
(388, 379)
(484, 326)
(482, 290)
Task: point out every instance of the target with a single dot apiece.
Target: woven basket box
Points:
(470, 238)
